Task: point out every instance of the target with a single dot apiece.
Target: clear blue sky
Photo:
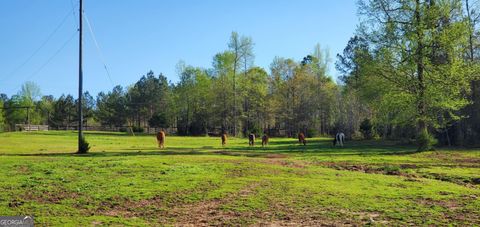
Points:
(136, 36)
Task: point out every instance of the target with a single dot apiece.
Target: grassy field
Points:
(126, 180)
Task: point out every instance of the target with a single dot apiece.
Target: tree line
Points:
(415, 64)
(233, 95)
(409, 73)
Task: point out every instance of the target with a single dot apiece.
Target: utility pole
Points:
(80, 79)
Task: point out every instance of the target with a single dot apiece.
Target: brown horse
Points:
(161, 139)
(301, 138)
(251, 139)
(224, 139)
(264, 140)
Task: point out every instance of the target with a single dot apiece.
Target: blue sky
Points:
(136, 36)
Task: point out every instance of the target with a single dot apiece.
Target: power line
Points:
(74, 14)
(54, 55)
(50, 59)
(99, 52)
(38, 49)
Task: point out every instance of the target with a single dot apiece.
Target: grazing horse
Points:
(161, 139)
(264, 140)
(251, 139)
(301, 138)
(224, 139)
(339, 139)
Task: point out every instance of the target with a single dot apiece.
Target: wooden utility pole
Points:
(80, 80)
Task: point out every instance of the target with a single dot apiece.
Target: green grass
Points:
(127, 180)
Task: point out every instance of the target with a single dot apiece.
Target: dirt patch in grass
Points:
(401, 170)
(157, 208)
(226, 153)
(210, 212)
(447, 204)
(380, 169)
(286, 163)
(204, 213)
(22, 169)
(465, 181)
(96, 223)
(454, 209)
(456, 158)
(121, 207)
(276, 156)
(214, 213)
(249, 154)
(281, 214)
(56, 196)
(48, 197)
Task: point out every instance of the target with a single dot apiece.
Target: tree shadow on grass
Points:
(94, 133)
(314, 148)
(325, 147)
(112, 153)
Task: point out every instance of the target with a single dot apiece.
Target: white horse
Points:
(340, 138)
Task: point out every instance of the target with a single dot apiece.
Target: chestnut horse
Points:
(161, 139)
(224, 139)
(301, 138)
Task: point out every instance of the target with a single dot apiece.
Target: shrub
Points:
(311, 132)
(84, 146)
(425, 141)
(366, 128)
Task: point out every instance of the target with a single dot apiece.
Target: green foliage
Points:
(84, 146)
(88, 106)
(425, 141)
(366, 128)
(64, 111)
(418, 73)
(2, 118)
(411, 68)
(148, 96)
(303, 95)
(30, 91)
(158, 120)
(255, 129)
(353, 61)
(311, 132)
(194, 100)
(112, 107)
(253, 86)
(15, 115)
(233, 95)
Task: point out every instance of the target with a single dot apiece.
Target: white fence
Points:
(26, 127)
